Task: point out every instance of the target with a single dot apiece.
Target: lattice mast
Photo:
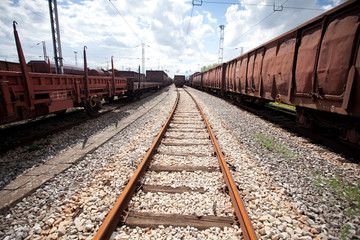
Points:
(143, 57)
(55, 30)
(221, 45)
(75, 52)
(44, 51)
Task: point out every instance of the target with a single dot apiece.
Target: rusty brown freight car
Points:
(137, 83)
(156, 76)
(311, 66)
(179, 80)
(130, 74)
(196, 80)
(213, 78)
(191, 80)
(315, 67)
(26, 94)
(11, 66)
(41, 66)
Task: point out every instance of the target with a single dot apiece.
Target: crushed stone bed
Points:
(293, 189)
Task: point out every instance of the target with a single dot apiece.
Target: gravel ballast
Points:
(17, 161)
(74, 203)
(292, 188)
(314, 186)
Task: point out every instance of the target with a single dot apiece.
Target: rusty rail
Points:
(116, 212)
(239, 208)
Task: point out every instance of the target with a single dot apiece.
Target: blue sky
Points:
(117, 27)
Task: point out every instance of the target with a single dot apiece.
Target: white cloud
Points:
(161, 24)
(209, 17)
(251, 25)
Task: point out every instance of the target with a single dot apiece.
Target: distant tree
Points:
(204, 68)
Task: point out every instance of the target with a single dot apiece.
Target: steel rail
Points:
(112, 219)
(239, 208)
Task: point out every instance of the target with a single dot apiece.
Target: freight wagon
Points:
(314, 67)
(157, 76)
(179, 80)
(196, 79)
(139, 77)
(31, 90)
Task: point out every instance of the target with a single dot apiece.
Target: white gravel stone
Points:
(85, 192)
(161, 159)
(272, 186)
(209, 181)
(288, 184)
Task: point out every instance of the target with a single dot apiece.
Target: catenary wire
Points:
(262, 5)
(126, 22)
(251, 28)
(187, 31)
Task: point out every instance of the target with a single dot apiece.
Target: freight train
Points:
(179, 80)
(315, 67)
(32, 90)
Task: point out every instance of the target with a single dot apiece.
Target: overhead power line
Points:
(188, 28)
(266, 17)
(303, 8)
(187, 31)
(251, 28)
(126, 22)
(261, 5)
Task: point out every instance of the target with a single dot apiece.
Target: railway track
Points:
(184, 165)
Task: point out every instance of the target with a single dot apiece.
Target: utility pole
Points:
(44, 50)
(143, 57)
(55, 29)
(221, 46)
(75, 52)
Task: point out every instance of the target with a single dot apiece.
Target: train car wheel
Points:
(304, 118)
(353, 134)
(91, 111)
(92, 106)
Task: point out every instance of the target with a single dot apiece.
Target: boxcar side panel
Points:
(243, 75)
(336, 53)
(237, 76)
(233, 75)
(257, 70)
(284, 66)
(250, 73)
(228, 84)
(219, 76)
(306, 59)
(268, 72)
